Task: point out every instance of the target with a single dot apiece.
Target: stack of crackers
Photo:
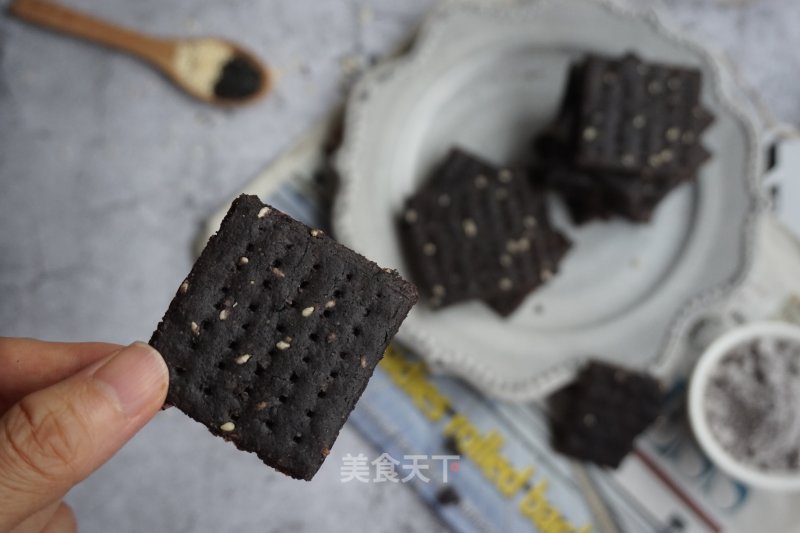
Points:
(628, 132)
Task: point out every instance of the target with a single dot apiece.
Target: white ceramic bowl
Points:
(776, 481)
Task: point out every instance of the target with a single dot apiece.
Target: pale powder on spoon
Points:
(200, 62)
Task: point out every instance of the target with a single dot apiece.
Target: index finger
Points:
(27, 365)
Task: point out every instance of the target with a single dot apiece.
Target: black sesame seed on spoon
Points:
(239, 78)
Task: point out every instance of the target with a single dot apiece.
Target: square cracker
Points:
(476, 231)
(272, 337)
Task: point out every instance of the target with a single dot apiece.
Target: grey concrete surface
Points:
(106, 173)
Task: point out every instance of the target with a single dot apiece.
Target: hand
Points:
(65, 409)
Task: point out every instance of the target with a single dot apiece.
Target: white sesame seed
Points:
(195, 328)
(654, 160)
(429, 248)
(672, 134)
(264, 212)
(243, 260)
(438, 290)
(278, 272)
(223, 315)
(316, 232)
(242, 359)
(184, 287)
(307, 311)
(363, 362)
(330, 304)
(639, 122)
(546, 274)
(505, 284)
(388, 270)
(504, 176)
(481, 181)
(521, 245)
(506, 260)
(444, 200)
(655, 87)
(282, 345)
(410, 216)
(666, 155)
(628, 160)
(589, 134)
(529, 222)
(227, 427)
(470, 228)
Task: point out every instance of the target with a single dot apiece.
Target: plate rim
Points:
(723, 88)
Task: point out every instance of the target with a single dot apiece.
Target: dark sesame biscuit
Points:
(439, 229)
(582, 194)
(599, 196)
(505, 304)
(557, 246)
(599, 416)
(550, 255)
(483, 240)
(556, 143)
(459, 164)
(636, 203)
(637, 117)
(274, 334)
(626, 135)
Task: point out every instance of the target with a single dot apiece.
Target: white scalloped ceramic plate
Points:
(487, 78)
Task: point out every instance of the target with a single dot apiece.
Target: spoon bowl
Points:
(205, 91)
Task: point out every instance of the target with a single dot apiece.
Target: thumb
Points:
(54, 438)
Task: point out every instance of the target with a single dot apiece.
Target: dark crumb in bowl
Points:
(240, 78)
(752, 404)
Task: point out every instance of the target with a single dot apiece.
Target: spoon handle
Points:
(68, 20)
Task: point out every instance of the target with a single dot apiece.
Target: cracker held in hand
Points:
(272, 337)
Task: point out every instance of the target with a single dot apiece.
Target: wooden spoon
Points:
(213, 70)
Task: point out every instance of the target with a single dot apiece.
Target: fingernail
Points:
(135, 374)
